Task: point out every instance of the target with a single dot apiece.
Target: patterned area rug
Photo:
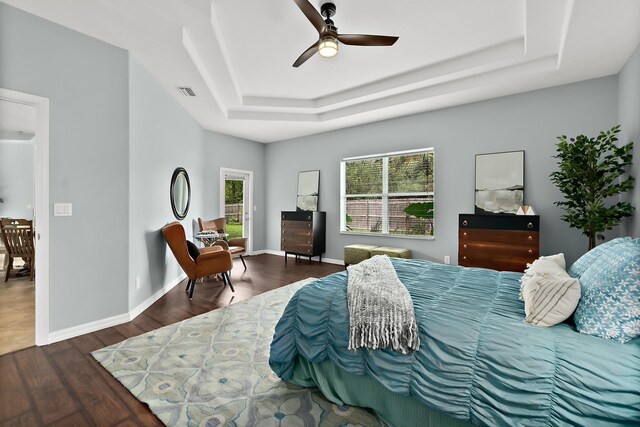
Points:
(213, 370)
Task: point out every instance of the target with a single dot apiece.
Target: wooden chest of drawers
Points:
(302, 233)
(499, 242)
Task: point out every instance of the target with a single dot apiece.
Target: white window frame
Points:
(385, 195)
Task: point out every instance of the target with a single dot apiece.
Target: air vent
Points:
(187, 91)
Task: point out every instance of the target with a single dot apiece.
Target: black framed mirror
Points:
(180, 193)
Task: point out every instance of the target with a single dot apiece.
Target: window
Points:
(388, 194)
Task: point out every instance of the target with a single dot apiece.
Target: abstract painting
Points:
(499, 182)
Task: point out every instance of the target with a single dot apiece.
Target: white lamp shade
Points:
(328, 47)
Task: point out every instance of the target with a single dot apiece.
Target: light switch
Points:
(62, 209)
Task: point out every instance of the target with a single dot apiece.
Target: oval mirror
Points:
(180, 193)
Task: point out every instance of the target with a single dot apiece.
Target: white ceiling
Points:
(237, 55)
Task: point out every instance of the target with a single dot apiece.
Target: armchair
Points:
(236, 246)
(197, 263)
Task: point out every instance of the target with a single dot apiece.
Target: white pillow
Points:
(550, 295)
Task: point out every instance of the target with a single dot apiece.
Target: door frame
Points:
(41, 203)
(248, 199)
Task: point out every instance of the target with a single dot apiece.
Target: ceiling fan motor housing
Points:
(328, 10)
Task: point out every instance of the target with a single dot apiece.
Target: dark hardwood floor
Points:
(62, 385)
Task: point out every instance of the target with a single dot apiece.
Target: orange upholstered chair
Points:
(197, 263)
(237, 246)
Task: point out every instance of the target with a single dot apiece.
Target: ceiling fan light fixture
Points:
(328, 47)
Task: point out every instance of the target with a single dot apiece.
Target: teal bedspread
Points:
(477, 361)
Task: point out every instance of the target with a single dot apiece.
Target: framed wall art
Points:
(499, 182)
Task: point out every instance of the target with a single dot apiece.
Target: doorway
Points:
(236, 203)
(38, 109)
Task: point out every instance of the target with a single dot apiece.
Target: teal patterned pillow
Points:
(610, 302)
(585, 261)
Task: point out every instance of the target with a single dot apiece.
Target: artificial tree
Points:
(591, 172)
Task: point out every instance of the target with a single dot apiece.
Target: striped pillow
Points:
(550, 295)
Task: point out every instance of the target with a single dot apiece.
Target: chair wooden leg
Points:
(193, 286)
(243, 263)
(229, 281)
(9, 265)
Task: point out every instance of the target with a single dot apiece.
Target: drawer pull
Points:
(309, 218)
(464, 234)
(308, 225)
(464, 258)
(465, 222)
(530, 225)
(464, 246)
(530, 251)
(530, 238)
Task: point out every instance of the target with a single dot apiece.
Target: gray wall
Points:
(629, 113)
(86, 82)
(529, 121)
(17, 159)
(234, 153)
(162, 137)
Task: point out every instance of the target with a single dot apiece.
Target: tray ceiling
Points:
(237, 56)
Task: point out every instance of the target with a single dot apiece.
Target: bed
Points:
(478, 363)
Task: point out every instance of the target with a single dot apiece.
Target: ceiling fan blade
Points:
(366, 40)
(306, 54)
(312, 15)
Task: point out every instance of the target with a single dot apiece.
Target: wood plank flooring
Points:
(17, 313)
(62, 385)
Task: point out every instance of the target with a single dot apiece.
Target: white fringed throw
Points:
(380, 308)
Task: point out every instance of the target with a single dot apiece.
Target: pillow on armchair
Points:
(610, 303)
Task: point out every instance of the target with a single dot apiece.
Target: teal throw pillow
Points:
(585, 261)
(610, 303)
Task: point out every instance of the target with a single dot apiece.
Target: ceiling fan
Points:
(327, 44)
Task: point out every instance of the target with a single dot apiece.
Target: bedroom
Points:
(117, 134)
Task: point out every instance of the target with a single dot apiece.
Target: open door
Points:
(236, 203)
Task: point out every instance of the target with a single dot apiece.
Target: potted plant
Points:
(591, 173)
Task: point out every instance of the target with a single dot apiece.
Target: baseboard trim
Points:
(87, 328)
(75, 331)
(136, 311)
(281, 253)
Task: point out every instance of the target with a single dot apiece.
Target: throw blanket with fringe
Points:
(380, 308)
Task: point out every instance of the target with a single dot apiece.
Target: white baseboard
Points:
(75, 331)
(86, 328)
(281, 253)
(155, 297)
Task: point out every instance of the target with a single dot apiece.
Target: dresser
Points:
(302, 233)
(499, 242)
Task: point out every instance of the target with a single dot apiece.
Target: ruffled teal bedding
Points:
(477, 360)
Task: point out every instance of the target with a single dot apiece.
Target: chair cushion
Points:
(610, 303)
(392, 252)
(356, 253)
(236, 250)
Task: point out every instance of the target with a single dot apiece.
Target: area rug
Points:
(213, 370)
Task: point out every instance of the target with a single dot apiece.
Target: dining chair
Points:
(237, 246)
(197, 263)
(17, 235)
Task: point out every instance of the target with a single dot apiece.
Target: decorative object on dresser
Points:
(303, 233)
(499, 182)
(308, 190)
(499, 242)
